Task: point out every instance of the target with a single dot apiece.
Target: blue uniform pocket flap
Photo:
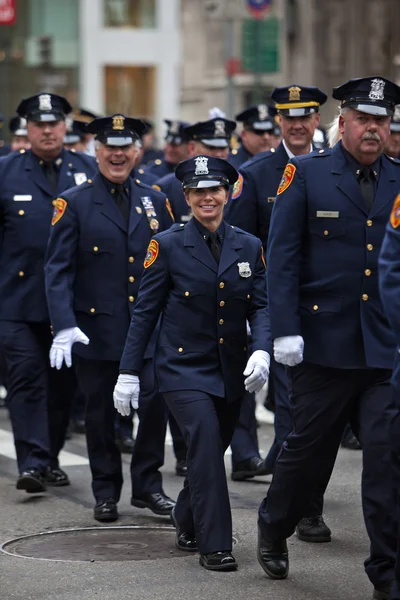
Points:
(327, 228)
(317, 304)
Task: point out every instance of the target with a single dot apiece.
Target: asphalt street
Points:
(317, 571)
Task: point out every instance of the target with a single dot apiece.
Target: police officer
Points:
(250, 207)
(211, 138)
(75, 136)
(329, 327)
(19, 134)
(150, 153)
(175, 149)
(213, 276)
(389, 287)
(256, 135)
(393, 144)
(94, 264)
(86, 116)
(38, 399)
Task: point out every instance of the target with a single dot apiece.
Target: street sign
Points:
(258, 8)
(260, 46)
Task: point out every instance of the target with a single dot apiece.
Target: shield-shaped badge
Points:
(244, 269)
(80, 178)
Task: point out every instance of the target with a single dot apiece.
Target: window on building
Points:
(130, 13)
(130, 91)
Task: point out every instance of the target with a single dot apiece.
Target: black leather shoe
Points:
(382, 593)
(218, 561)
(32, 481)
(159, 503)
(106, 510)
(273, 556)
(183, 541)
(252, 467)
(125, 444)
(313, 529)
(181, 468)
(56, 477)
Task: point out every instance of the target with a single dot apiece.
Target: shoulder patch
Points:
(287, 178)
(152, 253)
(169, 209)
(395, 214)
(237, 188)
(263, 258)
(59, 209)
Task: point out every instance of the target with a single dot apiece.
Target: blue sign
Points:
(259, 7)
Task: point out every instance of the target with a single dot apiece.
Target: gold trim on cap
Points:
(296, 105)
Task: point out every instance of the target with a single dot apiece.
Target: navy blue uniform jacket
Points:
(202, 341)
(159, 168)
(323, 262)
(389, 278)
(26, 211)
(238, 156)
(172, 188)
(253, 196)
(94, 264)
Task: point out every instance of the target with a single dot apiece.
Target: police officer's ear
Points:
(192, 148)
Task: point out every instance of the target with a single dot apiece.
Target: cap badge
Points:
(220, 129)
(45, 102)
(262, 112)
(201, 165)
(294, 93)
(68, 124)
(174, 128)
(244, 269)
(377, 87)
(22, 123)
(396, 116)
(118, 123)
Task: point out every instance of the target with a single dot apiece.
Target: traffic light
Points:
(45, 50)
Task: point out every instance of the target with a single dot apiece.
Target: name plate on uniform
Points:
(328, 214)
(22, 198)
(80, 178)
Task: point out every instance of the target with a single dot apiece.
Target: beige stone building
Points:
(319, 42)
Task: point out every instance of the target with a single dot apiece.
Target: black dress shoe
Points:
(183, 541)
(125, 444)
(252, 467)
(56, 477)
(313, 529)
(158, 503)
(181, 468)
(32, 481)
(106, 510)
(273, 556)
(382, 593)
(218, 561)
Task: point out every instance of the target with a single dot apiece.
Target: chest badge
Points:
(244, 269)
(80, 178)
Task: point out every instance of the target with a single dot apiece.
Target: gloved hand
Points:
(126, 393)
(257, 371)
(62, 344)
(288, 350)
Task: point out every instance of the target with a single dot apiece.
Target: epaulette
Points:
(173, 229)
(257, 158)
(395, 161)
(322, 153)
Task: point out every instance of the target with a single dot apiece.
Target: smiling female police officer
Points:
(206, 278)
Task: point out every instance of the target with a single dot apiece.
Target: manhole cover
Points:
(97, 544)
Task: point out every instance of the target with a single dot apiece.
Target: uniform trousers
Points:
(244, 443)
(178, 442)
(97, 379)
(207, 423)
(39, 397)
(395, 444)
(323, 399)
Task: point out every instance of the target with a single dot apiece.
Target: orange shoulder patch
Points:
(156, 187)
(395, 214)
(169, 209)
(263, 258)
(287, 178)
(59, 209)
(152, 253)
(237, 188)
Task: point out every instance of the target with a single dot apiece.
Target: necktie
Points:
(51, 174)
(122, 201)
(367, 187)
(215, 245)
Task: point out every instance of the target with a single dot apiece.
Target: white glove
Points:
(62, 345)
(288, 350)
(126, 393)
(257, 371)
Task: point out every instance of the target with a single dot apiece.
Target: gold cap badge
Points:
(294, 94)
(118, 123)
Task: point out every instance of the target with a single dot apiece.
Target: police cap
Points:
(83, 115)
(257, 118)
(76, 131)
(297, 101)
(371, 95)
(17, 126)
(215, 132)
(176, 132)
(205, 171)
(395, 122)
(116, 130)
(44, 107)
